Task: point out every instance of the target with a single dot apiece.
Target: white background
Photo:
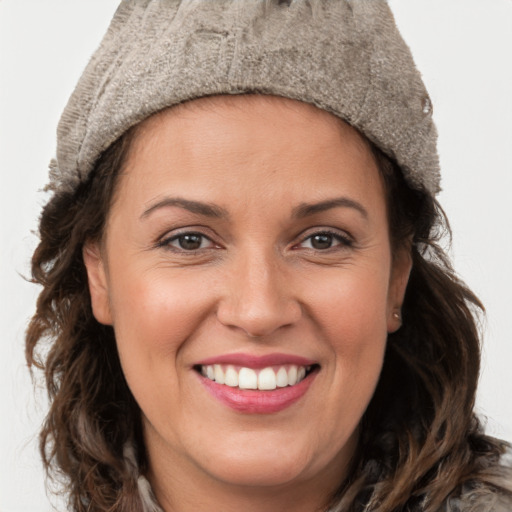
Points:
(464, 49)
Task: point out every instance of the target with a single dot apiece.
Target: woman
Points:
(240, 273)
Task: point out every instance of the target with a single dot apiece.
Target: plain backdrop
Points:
(463, 49)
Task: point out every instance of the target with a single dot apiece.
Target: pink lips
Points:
(255, 362)
(256, 401)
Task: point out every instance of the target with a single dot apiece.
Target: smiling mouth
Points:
(263, 379)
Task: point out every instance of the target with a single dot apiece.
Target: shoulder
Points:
(490, 493)
(479, 499)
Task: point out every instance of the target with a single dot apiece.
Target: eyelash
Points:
(344, 241)
(166, 242)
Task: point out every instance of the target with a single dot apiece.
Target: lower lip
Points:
(258, 402)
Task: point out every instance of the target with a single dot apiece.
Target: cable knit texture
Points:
(344, 56)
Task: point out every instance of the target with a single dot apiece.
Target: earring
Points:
(397, 316)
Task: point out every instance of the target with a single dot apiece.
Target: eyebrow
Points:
(215, 211)
(206, 209)
(306, 209)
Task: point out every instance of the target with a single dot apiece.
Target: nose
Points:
(258, 297)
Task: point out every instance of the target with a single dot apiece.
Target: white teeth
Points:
(292, 376)
(267, 379)
(218, 373)
(282, 378)
(246, 378)
(231, 377)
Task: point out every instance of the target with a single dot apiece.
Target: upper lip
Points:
(256, 362)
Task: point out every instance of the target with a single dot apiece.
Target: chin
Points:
(263, 469)
(271, 458)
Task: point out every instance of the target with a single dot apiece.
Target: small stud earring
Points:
(397, 316)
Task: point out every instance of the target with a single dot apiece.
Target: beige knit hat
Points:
(344, 56)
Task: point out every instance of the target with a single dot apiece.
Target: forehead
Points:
(288, 112)
(249, 145)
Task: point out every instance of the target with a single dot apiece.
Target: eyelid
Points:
(170, 236)
(344, 238)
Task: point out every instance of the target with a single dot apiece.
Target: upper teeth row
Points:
(247, 378)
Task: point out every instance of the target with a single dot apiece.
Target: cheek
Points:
(351, 313)
(154, 314)
(351, 307)
(159, 305)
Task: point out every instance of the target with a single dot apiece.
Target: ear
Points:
(98, 283)
(400, 271)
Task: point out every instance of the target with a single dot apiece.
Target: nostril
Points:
(257, 321)
(256, 299)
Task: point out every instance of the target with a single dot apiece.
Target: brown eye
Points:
(322, 241)
(325, 240)
(188, 242)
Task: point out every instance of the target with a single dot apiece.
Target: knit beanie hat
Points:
(343, 56)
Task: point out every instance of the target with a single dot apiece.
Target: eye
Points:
(324, 240)
(187, 242)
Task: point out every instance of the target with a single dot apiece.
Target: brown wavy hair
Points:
(420, 440)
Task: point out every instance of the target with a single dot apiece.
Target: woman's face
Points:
(248, 243)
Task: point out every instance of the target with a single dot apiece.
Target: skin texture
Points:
(256, 285)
